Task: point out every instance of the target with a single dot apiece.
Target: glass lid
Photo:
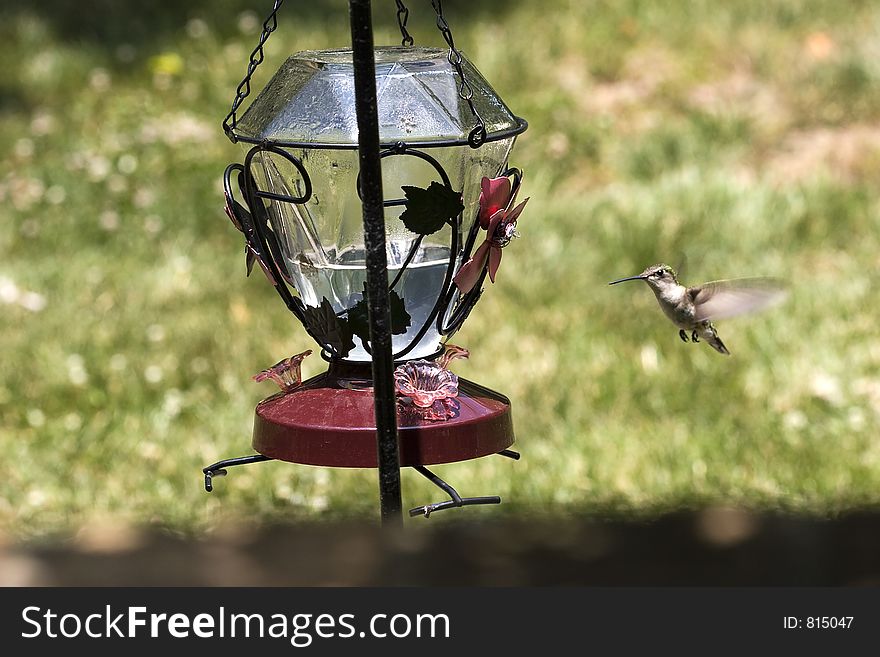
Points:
(311, 99)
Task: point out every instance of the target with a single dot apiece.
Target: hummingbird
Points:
(692, 309)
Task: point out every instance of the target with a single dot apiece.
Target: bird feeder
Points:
(446, 207)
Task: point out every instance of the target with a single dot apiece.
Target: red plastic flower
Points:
(498, 217)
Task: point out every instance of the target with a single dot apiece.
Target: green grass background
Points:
(742, 134)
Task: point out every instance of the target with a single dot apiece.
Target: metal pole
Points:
(377, 265)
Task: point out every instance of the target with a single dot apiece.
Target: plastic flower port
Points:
(426, 390)
(424, 382)
(499, 221)
(452, 352)
(286, 373)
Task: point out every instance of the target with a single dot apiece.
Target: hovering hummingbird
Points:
(692, 309)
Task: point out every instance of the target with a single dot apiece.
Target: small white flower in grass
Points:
(127, 163)
(72, 421)
(648, 357)
(233, 52)
(295, 498)
(826, 387)
(177, 129)
(109, 220)
(25, 193)
(36, 497)
(8, 290)
(856, 418)
(76, 370)
(56, 195)
(153, 374)
(32, 301)
(155, 333)
(794, 420)
(196, 28)
(144, 197)
(181, 264)
(24, 148)
(99, 79)
(199, 365)
(43, 124)
(98, 167)
(150, 451)
(152, 224)
(172, 404)
(10, 293)
(248, 22)
(43, 65)
(118, 362)
(35, 417)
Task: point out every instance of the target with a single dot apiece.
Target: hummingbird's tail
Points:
(710, 335)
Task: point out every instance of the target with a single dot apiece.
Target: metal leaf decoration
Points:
(358, 317)
(428, 210)
(328, 329)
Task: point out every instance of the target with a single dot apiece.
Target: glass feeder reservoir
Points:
(305, 170)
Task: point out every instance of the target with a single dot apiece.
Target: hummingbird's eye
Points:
(659, 273)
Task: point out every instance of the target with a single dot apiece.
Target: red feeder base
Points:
(328, 421)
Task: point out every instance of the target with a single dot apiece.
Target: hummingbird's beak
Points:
(629, 278)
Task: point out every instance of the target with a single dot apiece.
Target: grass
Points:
(744, 135)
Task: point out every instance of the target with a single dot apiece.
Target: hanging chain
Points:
(402, 17)
(244, 88)
(477, 135)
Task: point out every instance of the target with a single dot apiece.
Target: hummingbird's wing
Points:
(728, 298)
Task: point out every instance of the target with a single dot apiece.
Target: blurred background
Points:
(742, 137)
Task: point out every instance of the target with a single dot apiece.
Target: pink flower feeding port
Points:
(285, 373)
(427, 389)
(307, 200)
(425, 385)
